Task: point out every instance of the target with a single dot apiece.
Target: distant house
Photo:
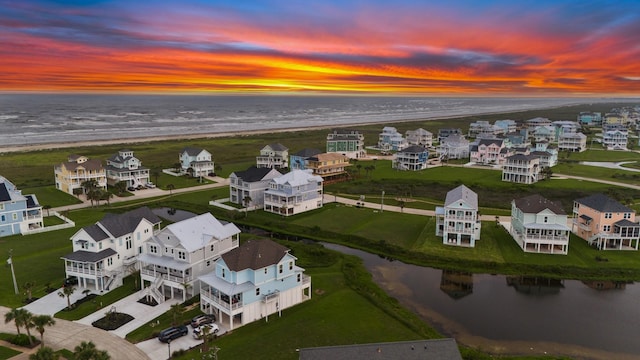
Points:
(538, 225)
(605, 223)
(590, 118)
(293, 193)
(509, 126)
(489, 152)
(454, 147)
(615, 138)
(175, 257)
(543, 133)
(349, 143)
(391, 140)
(412, 158)
(257, 279)
(537, 121)
(123, 166)
(196, 162)
(330, 166)
(446, 132)
(483, 129)
(547, 153)
(247, 187)
(522, 169)
(575, 142)
(420, 137)
(436, 349)
(298, 161)
(105, 252)
(274, 156)
(71, 174)
(458, 222)
(18, 213)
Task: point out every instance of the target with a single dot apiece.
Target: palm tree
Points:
(40, 322)
(120, 186)
(88, 351)
(25, 318)
(401, 203)
(246, 200)
(106, 195)
(171, 187)
(28, 289)
(10, 316)
(89, 185)
(176, 311)
(155, 173)
(44, 353)
(67, 291)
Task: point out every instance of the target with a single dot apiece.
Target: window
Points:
(213, 248)
(146, 231)
(153, 249)
(1, 206)
(299, 277)
(208, 263)
(109, 261)
(606, 228)
(100, 246)
(607, 215)
(15, 216)
(224, 272)
(290, 265)
(546, 219)
(120, 242)
(257, 291)
(182, 255)
(280, 268)
(3, 218)
(627, 215)
(265, 271)
(129, 245)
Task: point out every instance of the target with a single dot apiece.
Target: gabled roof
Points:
(254, 254)
(4, 193)
(328, 157)
(253, 174)
(522, 157)
(277, 147)
(91, 164)
(96, 232)
(535, 203)
(487, 142)
(88, 256)
(308, 152)
(437, 349)
(32, 201)
(192, 151)
(603, 203)
(413, 149)
(122, 224)
(196, 232)
(462, 193)
(297, 178)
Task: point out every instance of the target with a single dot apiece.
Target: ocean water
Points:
(31, 119)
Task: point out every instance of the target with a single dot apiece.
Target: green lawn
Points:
(153, 327)
(7, 353)
(49, 195)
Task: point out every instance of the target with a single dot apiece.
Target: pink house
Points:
(605, 223)
(489, 152)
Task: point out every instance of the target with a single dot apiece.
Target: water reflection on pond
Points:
(592, 319)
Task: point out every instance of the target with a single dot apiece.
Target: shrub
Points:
(23, 340)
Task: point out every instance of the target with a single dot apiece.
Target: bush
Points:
(23, 340)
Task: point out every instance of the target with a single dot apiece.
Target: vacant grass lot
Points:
(49, 195)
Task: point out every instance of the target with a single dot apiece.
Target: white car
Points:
(212, 329)
(150, 185)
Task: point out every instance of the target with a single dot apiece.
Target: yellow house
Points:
(71, 174)
(330, 166)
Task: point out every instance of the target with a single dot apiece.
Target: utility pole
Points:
(13, 273)
(382, 201)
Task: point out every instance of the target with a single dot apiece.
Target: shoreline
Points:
(213, 135)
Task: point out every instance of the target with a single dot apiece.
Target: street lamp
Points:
(13, 274)
(169, 347)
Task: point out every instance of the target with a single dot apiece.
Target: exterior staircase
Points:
(153, 290)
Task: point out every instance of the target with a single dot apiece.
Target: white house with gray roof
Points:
(539, 225)
(293, 193)
(275, 156)
(196, 161)
(173, 259)
(458, 222)
(124, 166)
(247, 187)
(105, 252)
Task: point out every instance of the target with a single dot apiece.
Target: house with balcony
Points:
(446, 132)
(107, 251)
(589, 118)
(125, 167)
(71, 174)
(258, 279)
(508, 126)
(293, 193)
(247, 187)
(543, 133)
(420, 137)
(458, 222)
(412, 158)
(574, 142)
(349, 143)
(615, 137)
(391, 140)
(332, 167)
(489, 152)
(521, 169)
(298, 161)
(174, 257)
(539, 225)
(196, 162)
(605, 223)
(537, 121)
(483, 129)
(274, 156)
(547, 153)
(453, 147)
(18, 213)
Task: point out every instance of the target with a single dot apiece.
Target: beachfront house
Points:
(420, 137)
(508, 126)
(483, 129)
(274, 156)
(489, 152)
(391, 140)
(453, 147)
(522, 169)
(539, 225)
(588, 118)
(18, 213)
(412, 158)
(332, 167)
(105, 252)
(76, 171)
(174, 258)
(446, 132)
(258, 279)
(293, 193)
(124, 166)
(196, 162)
(247, 187)
(536, 122)
(458, 222)
(605, 223)
(574, 142)
(298, 161)
(349, 143)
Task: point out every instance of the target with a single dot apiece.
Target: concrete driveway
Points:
(52, 302)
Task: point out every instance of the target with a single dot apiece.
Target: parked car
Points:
(211, 328)
(140, 187)
(70, 281)
(172, 333)
(150, 185)
(131, 188)
(202, 319)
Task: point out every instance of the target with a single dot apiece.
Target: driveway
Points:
(52, 302)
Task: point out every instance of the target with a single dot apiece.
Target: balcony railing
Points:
(80, 270)
(453, 229)
(218, 301)
(165, 276)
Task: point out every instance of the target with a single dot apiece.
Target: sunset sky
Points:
(501, 48)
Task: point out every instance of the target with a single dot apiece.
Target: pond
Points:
(516, 314)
